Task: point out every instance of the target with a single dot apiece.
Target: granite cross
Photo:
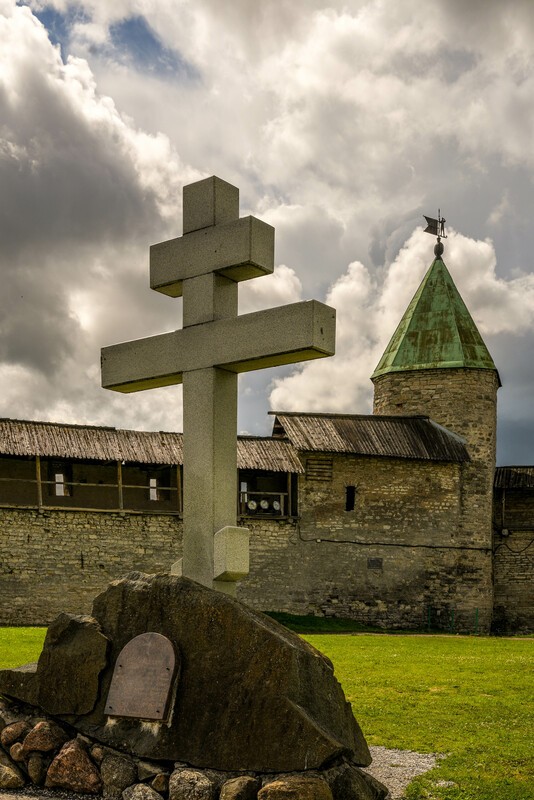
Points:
(216, 251)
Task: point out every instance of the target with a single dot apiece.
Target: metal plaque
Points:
(143, 678)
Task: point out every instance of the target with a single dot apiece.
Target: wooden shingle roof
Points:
(86, 442)
(396, 437)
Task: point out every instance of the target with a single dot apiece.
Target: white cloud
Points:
(340, 122)
(368, 313)
(277, 289)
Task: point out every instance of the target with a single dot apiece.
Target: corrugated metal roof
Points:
(514, 478)
(84, 442)
(396, 437)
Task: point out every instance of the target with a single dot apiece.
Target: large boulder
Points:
(248, 695)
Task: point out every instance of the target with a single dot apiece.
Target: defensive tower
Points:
(437, 364)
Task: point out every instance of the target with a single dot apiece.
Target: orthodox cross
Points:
(216, 251)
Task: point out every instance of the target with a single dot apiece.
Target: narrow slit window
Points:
(350, 498)
(153, 488)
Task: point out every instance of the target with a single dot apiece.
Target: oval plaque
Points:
(142, 678)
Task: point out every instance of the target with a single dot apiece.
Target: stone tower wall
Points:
(465, 402)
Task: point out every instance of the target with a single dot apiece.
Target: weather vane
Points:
(436, 227)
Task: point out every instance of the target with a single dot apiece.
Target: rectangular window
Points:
(153, 489)
(60, 487)
(350, 498)
(59, 479)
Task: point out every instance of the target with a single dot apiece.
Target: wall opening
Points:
(350, 498)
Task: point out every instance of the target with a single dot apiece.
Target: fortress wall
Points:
(395, 561)
(54, 561)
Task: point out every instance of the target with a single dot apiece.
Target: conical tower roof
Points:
(436, 332)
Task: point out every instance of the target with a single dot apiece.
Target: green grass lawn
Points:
(20, 645)
(467, 697)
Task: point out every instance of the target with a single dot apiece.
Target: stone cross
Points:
(216, 251)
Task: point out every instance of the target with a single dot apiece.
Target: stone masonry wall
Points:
(465, 402)
(397, 560)
(56, 561)
(514, 562)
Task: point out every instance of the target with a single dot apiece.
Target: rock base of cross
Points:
(170, 685)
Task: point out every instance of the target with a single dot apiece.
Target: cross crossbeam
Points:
(204, 266)
(269, 338)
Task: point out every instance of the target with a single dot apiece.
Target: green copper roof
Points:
(436, 332)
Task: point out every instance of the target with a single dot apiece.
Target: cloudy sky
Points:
(342, 123)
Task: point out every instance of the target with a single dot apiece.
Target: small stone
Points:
(160, 783)
(295, 787)
(97, 753)
(14, 733)
(117, 773)
(45, 737)
(191, 784)
(36, 768)
(16, 751)
(242, 788)
(11, 777)
(140, 792)
(73, 770)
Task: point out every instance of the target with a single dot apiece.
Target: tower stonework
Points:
(437, 365)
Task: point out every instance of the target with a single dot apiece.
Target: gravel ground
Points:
(394, 768)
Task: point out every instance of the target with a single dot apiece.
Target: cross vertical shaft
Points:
(209, 396)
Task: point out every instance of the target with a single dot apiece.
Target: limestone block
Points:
(231, 553)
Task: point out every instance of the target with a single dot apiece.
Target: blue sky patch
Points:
(58, 25)
(135, 40)
(132, 41)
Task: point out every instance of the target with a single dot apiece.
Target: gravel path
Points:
(394, 768)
